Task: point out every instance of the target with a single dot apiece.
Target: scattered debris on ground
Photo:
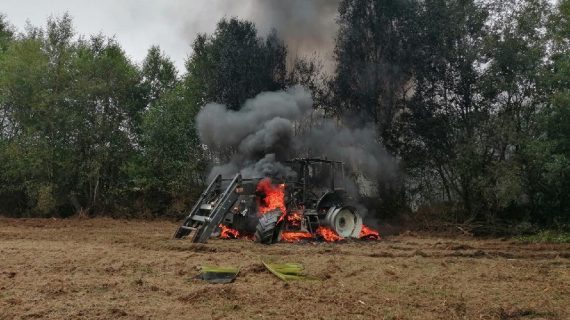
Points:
(287, 271)
(214, 274)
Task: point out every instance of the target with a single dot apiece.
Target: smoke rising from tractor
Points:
(258, 139)
(306, 26)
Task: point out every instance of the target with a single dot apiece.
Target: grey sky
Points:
(307, 25)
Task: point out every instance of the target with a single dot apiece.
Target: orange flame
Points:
(274, 196)
(294, 236)
(328, 234)
(369, 233)
(294, 218)
(228, 233)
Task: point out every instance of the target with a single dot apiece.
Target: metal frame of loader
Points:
(209, 210)
(216, 202)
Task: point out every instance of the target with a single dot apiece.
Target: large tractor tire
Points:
(267, 230)
(345, 221)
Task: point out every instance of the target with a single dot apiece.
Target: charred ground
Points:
(103, 268)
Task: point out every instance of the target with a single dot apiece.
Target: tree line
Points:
(471, 97)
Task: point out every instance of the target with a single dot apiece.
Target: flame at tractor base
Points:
(369, 233)
(295, 236)
(228, 233)
(328, 234)
(322, 234)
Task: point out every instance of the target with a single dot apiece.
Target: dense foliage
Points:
(472, 98)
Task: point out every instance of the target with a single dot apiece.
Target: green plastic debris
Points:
(287, 271)
(214, 274)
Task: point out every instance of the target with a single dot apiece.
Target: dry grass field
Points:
(104, 268)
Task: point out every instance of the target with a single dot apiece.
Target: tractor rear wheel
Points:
(345, 221)
(267, 230)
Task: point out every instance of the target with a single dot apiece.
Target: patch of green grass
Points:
(546, 236)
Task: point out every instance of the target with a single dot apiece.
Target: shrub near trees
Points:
(470, 96)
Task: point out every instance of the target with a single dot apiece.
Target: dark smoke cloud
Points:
(261, 136)
(358, 148)
(307, 26)
(259, 118)
(266, 167)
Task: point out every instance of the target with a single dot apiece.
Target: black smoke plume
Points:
(258, 139)
(307, 26)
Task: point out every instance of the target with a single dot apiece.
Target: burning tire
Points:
(345, 221)
(267, 231)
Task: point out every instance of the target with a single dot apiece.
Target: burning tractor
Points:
(311, 204)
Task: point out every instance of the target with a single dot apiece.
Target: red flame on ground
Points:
(328, 234)
(274, 196)
(369, 233)
(228, 233)
(294, 236)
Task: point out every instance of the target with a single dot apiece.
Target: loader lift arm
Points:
(209, 210)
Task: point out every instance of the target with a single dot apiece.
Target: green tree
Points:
(108, 99)
(159, 74)
(72, 105)
(234, 64)
(29, 67)
(548, 154)
(6, 37)
(168, 164)
(372, 52)
(6, 33)
(171, 160)
(308, 72)
(518, 51)
(445, 112)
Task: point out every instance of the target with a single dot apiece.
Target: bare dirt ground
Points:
(103, 268)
